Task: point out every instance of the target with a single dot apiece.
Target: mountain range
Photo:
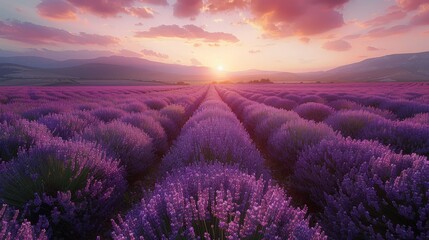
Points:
(118, 70)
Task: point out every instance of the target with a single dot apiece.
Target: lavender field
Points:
(237, 161)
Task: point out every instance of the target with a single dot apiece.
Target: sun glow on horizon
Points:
(220, 68)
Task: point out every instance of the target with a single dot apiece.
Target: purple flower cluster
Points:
(387, 198)
(63, 187)
(321, 167)
(314, 111)
(132, 146)
(12, 227)
(20, 135)
(215, 202)
(291, 138)
(68, 125)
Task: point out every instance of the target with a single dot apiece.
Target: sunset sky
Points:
(284, 35)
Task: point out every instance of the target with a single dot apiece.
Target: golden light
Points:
(220, 68)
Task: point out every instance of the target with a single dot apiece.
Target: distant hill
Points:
(117, 70)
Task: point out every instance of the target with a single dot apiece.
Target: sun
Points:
(220, 68)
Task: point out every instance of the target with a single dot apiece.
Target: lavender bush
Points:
(292, 137)
(215, 202)
(314, 111)
(20, 134)
(108, 114)
(321, 167)
(67, 125)
(385, 199)
(131, 145)
(153, 129)
(63, 187)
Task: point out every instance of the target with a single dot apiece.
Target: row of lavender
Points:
(218, 188)
(355, 188)
(67, 163)
(361, 115)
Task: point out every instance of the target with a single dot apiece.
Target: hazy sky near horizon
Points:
(285, 35)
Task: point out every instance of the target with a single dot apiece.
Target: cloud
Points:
(280, 18)
(411, 4)
(372, 49)
(195, 62)
(337, 45)
(190, 32)
(187, 8)
(151, 53)
(385, 32)
(156, 2)
(393, 14)
(58, 55)
(222, 5)
(56, 9)
(103, 8)
(422, 18)
(36, 34)
(254, 51)
(141, 12)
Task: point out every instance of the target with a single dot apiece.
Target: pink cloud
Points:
(36, 34)
(141, 12)
(385, 32)
(422, 18)
(187, 8)
(393, 14)
(411, 4)
(56, 9)
(352, 36)
(337, 45)
(187, 32)
(222, 5)
(151, 53)
(103, 8)
(297, 17)
(156, 2)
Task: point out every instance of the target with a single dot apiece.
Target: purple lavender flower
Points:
(150, 126)
(215, 202)
(13, 227)
(20, 134)
(132, 146)
(314, 111)
(108, 114)
(69, 124)
(63, 187)
(322, 167)
(293, 137)
(385, 199)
